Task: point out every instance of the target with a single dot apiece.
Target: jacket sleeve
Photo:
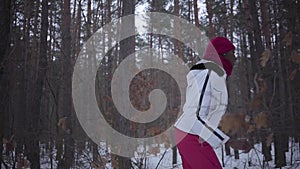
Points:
(218, 103)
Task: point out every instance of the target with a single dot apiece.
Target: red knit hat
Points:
(215, 50)
(222, 45)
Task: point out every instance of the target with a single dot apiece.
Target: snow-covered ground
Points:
(254, 158)
(163, 159)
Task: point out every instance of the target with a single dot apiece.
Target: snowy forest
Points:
(41, 40)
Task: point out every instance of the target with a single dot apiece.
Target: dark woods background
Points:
(40, 41)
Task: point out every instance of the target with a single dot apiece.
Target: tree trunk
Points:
(178, 47)
(35, 105)
(257, 36)
(31, 114)
(225, 19)
(196, 14)
(76, 32)
(17, 95)
(266, 149)
(5, 30)
(266, 23)
(127, 47)
(279, 117)
(177, 51)
(231, 18)
(5, 24)
(211, 31)
(89, 18)
(65, 103)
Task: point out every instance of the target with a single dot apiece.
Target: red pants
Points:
(195, 155)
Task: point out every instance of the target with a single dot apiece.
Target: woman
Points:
(196, 131)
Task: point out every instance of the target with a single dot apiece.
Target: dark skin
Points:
(230, 56)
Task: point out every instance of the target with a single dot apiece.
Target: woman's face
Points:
(230, 56)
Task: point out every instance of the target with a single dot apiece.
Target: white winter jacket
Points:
(213, 106)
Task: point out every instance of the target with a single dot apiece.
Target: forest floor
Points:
(252, 160)
(163, 159)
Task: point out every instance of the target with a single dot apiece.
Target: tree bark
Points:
(280, 116)
(266, 23)
(178, 50)
(178, 47)
(196, 14)
(127, 47)
(65, 104)
(5, 30)
(38, 90)
(225, 19)
(31, 114)
(211, 31)
(5, 23)
(256, 29)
